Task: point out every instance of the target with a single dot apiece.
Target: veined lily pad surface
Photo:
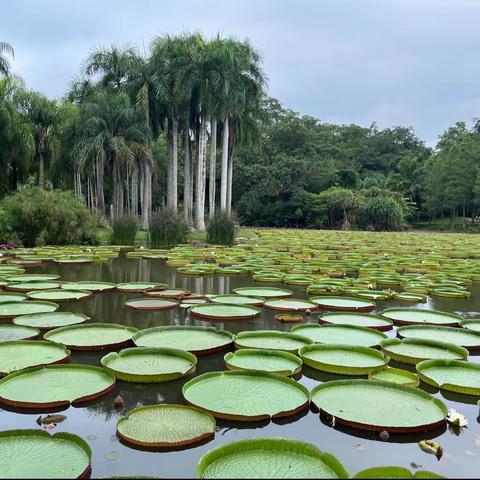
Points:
(396, 408)
(394, 375)
(54, 386)
(273, 361)
(394, 472)
(165, 426)
(342, 359)
(37, 454)
(408, 316)
(345, 304)
(271, 340)
(290, 304)
(146, 364)
(14, 309)
(367, 320)
(238, 300)
(151, 304)
(12, 297)
(59, 295)
(20, 354)
(228, 395)
(346, 334)
(414, 350)
(90, 286)
(95, 336)
(197, 340)
(46, 321)
(269, 458)
(10, 332)
(140, 286)
(453, 375)
(265, 292)
(220, 311)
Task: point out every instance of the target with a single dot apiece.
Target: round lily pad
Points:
(176, 293)
(197, 340)
(148, 365)
(269, 458)
(396, 408)
(342, 359)
(221, 311)
(408, 316)
(12, 297)
(290, 304)
(37, 454)
(59, 295)
(90, 286)
(238, 300)
(410, 297)
(265, 292)
(151, 304)
(14, 309)
(271, 340)
(94, 336)
(46, 321)
(229, 395)
(346, 334)
(273, 361)
(367, 320)
(10, 332)
(32, 277)
(136, 287)
(414, 350)
(54, 386)
(30, 286)
(458, 336)
(453, 375)
(343, 304)
(395, 375)
(394, 472)
(471, 325)
(19, 354)
(165, 426)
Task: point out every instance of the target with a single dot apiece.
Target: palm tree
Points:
(5, 49)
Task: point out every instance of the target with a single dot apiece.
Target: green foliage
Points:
(167, 229)
(221, 229)
(40, 216)
(124, 230)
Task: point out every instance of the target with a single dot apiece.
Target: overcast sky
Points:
(408, 62)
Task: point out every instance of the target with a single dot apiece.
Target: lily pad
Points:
(59, 295)
(238, 300)
(290, 304)
(394, 472)
(151, 304)
(197, 340)
(271, 340)
(269, 458)
(471, 325)
(90, 286)
(165, 426)
(12, 297)
(30, 286)
(367, 320)
(229, 395)
(10, 333)
(46, 321)
(343, 304)
(32, 277)
(273, 361)
(395, 375)
(220, 311)
(396, 408)
(408, 316)
(54, 386)
(36, 454)
(94, 336)
(175, 293)
(136, 287)
(148, 365)
(14, 309)
(265, 292)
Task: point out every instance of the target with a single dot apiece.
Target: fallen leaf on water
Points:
(432, 447)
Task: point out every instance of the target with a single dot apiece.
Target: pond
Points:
(357, 450)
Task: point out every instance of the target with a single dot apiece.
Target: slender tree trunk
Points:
(187, 180)
(100, 181)
(134, 188)
(213, 168)
(41, 170)
(201, 171)
(169, 162)
(224, 179)
(229, 184)
(146, 190)
(118, 195)
(174, 179)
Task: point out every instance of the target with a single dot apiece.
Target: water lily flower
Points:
(456, 419)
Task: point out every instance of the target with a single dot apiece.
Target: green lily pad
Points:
(15, 309)
(12, 297)
(32, 277)
(271, 340)
(197, 340)
(273, 361)
(238, 300)
(10, 333)
(367, 320)
(265, 292)
(30, 286)
(175, 293)
(228, 395)
(46, 321)
(53, 386)
(59, 295)
(151, 304)
(396, 408)
(165, 426)
(410, 297)
(134, 287)
(36, 454)
(471, 325)
(221, 311)
(148, 365)
(94, 336)
(269, 458)
(90, 286)
(394, 472)
(290, 304)
(395, 375)
(408, 316)
(343, 304)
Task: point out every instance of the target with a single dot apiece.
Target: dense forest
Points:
(190, 127)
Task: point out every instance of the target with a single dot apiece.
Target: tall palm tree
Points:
(5, 49)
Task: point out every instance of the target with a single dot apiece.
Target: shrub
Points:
(167, 229)
(221, 229)
(124, 230)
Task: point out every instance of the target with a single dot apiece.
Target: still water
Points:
(357, 450)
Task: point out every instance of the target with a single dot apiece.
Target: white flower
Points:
(456, 419)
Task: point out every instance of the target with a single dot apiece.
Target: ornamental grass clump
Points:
(221, 229)
(167, 229)
(124, 230)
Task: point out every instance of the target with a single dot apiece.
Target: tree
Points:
(5, 49)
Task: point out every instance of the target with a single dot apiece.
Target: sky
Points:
(393, 62)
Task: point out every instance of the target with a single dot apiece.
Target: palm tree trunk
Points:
(201, 171)
(224, 180)
(168, 125)
(146, 192)
(100, 181)
(187, 180)
(229, 183)
(174, 179)
(213, 167)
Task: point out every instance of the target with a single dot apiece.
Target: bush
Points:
(167, 229)
(39, 217)
(221, 229)
(124, 230)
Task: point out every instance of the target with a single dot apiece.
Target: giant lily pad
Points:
(269, 458)
(394, 472)
(272, 361)
(396, 408)
(342, 359)
(46, 321)
(395, 375)
(165, 426)
(36, 454)
(414, 350)
(59, 295)
(148, 365)
(290, 304)
(14, 309)
(90, 286)
(197, 340)
(471, 325)
(265, 292)
(271, 340)
(20, 354)
(408, 316)
(53, 386)
(238, 300)
(136, 287)
(175, 293)
(346, 334)
(220, 311)
(343, 304)
(229, 395)
(367, 320)
(32, 277)
(30, 286)
(453, 375)
(10, 332)
(12, 297)
(94, 336)
(151, 304)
